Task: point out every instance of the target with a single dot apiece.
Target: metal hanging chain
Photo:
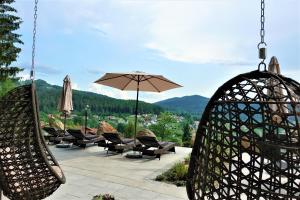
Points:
(262, 23)
(262, 44)
(32, 72)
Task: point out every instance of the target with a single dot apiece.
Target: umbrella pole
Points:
(134, 155)
(65, 121)
(136, 109)
(85, 124)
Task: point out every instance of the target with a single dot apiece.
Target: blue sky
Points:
(199, 44)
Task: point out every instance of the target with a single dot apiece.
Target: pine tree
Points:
(9, 40)
(187, 135)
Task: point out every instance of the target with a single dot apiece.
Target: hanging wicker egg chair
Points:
(248, 141)
(28, 170)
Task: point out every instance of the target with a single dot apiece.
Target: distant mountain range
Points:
(194, 104)
(100, 104)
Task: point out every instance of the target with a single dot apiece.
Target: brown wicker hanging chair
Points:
(28, 170)
(248, 141)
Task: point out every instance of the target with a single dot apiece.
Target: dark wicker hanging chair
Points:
(248, 141)
(28, 170)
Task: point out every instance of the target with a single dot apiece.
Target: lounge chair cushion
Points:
(117, 143)
(69, 138)
(152, 147)
(125, 146)
(148, 141)
(80, 138)
(116, 138)
(88, 141)
(164, 146)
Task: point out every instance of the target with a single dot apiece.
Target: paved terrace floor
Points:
(91, 171)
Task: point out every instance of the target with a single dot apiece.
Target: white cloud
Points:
(190, 32)
(75, 86)
(294, 74)
(108, 91)
(24, 75)
(222, 32)
(215, 31)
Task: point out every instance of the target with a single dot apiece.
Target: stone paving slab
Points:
(91, 171)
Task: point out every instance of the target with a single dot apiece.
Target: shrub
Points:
(180, 183)
(160, 178)
(176, 175)
(180, 170)
(103, 197)
(187, 160)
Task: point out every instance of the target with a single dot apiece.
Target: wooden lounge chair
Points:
(55, 136)
(151, 147)
(118, 144)
(81, 140)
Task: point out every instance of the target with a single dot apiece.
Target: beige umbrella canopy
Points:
(137, 81)
(65, 104)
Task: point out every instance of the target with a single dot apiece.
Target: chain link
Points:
(32, 72)
(262, 44)
(262, 22)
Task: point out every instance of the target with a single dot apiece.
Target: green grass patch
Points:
(177, 174)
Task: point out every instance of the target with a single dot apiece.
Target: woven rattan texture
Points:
(27, 168)
(247, 143)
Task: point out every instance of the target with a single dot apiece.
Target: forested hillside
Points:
(194, 104)
(99, 104)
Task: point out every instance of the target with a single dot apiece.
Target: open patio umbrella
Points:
(65, 104)
(137, 81)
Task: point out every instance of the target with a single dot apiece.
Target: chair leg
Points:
(158, 156)
(172, 150)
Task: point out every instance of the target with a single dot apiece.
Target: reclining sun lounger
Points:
(55, 136)
(118, 144)
(81, 140)
(151, 147)
(79, 134)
